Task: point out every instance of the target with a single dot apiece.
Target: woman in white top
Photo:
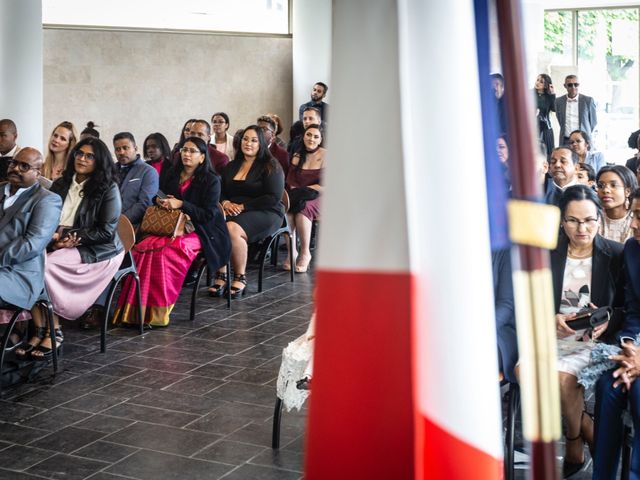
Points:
(62, 140)
(614, 184)
(221, 138)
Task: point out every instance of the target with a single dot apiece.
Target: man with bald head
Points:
(29, 216)
(8, 147)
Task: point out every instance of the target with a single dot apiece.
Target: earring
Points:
(626, 204)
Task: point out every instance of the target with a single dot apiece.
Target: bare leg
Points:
(303, 226)
(571, 406)
(239, 251)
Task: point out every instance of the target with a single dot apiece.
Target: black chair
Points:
(127, 236)
(277, 419)
(42, 302)
(513, 406)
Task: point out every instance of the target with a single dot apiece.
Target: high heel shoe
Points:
(571, 468)
(23, 351)
(40, 353)
(235, 291)
(302, 264)
(217, 290)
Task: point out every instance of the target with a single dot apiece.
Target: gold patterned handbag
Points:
(163, 222)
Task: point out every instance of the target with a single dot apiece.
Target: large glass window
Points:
(606, 48)
(254, 16)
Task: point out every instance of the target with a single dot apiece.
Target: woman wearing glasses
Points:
(86, 251)
(221, 138)
(252, 188)
(587, 273)
(163, 262)
(580, 142)
(615, 183)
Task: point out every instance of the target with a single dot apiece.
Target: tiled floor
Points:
(192, 401)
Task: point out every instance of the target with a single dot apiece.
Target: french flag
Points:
(405, 371)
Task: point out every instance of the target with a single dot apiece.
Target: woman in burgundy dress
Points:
(303, 181)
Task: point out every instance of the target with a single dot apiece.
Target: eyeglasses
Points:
(266, 129)
(611, 185)
(589, 223)
(80, 154)
(22, 166)
(572, 85)
(191, 151)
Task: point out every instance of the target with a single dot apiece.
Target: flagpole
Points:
(533, 229)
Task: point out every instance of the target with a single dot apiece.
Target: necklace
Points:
(578, 256)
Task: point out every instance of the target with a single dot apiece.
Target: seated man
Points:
(138, 181)
(562, 166)
(269, 127)
(29, 216)
(8, 147)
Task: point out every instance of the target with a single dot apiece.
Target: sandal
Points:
(302, 266)
(571, 468)
(235, 291)
(23, 351)
(41, 353)
(218, 289)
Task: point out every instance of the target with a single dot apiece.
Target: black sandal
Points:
(41, 353)
(22, 352)
(217, 290)
(237, 292)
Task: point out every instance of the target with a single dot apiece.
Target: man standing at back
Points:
(138, 181)
(29, 216)
(8, 147)
(318, 92)
(575, 111)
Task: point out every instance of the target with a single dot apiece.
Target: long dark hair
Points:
(162, 142)
(264, 160)
(628, 178)
(103, 175)
(205, 166)
(547, 82)
(302, 150)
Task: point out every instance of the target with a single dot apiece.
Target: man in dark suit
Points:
(29, 215)
(575, 111)
(8, 147)
(138, 181)
(562, 165)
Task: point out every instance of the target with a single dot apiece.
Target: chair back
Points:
(126, 233)
(285, 201)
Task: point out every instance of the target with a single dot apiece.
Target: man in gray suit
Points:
(575, 111)
(138, 180)
(29, 216)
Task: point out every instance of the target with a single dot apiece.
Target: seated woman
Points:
(580, 143)
(62, 140)
(221, 136)
(303, 180)
(615, 184)
(157, 153)
(620, 387)
(194, 188)
(84, 256)
(252, 188)
(586, 270)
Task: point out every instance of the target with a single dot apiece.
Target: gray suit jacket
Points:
(26, 228)
(137, 190)
(586, 114)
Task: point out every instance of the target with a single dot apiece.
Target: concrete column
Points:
(311, 30)
(21, 76)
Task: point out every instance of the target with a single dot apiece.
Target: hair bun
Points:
(90, 124)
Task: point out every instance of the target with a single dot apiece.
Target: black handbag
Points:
(590, 318)
(298, 198)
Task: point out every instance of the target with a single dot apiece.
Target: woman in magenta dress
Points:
(303, 179)
(163, 262)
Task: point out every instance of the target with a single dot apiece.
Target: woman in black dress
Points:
(252, 188)
(546, 103)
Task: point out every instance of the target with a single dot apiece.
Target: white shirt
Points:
(9, 199)
(572, 120)
(11, 153)
(71, 203)
(572, 182)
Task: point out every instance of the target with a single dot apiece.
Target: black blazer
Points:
(607, 277)
(200, 202)
(96, 223)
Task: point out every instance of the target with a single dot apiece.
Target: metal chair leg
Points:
(5, 341)
(277, 418)
(229, 285)
(52, 336)
(512, 411)
(293, 267)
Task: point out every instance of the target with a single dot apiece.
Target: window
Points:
(253, 16)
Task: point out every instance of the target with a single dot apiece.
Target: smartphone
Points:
(161, 194)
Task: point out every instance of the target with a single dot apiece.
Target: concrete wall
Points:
(145, 82)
